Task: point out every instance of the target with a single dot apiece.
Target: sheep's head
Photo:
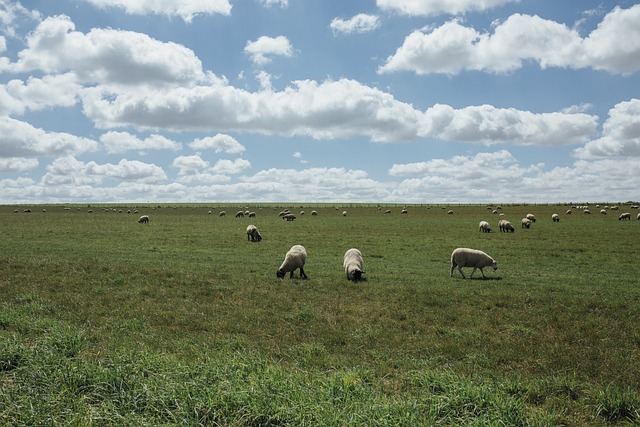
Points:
(280, 273)
(357, 275)
(494, 265)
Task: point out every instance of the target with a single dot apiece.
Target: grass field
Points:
(182, 321)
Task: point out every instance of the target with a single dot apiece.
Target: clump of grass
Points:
(615, 405)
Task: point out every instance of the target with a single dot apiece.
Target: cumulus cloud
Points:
(262, 49)
(68, 170)
(17, 164)
(37, 94)
(453, 47)
(11, 13)
(620, 134)
(105, 55)
(331, 110)
(438, 7)
(186, 9)
(361, 23)
(231, 167)
(219, 143)
(21, 139)
(119, 142)
(189, 165)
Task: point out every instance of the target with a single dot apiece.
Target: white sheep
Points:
(252, 214)
(294, 259)
(222, 213)
(144, 219)
(485, 227)
(465, 257)
(353, 265)
(568, 212)
(288, 217)
(638, 217)
(626, 215)
(253, 234)
(344, 213)
(314, 213)
(555, 217)
(240, 214)
(531, 217)
(603, 211)
(505, 226)
(525, 223)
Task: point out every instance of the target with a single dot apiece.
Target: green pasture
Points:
(182, 321)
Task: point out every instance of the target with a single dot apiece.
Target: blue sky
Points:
(379, 101)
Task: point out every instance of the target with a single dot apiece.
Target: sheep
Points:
(344, 213)
(465, 257)
(294, 259)
(586, 212)
(450, 212)
(505, 226)
(603, 211)
(222, 213)
(531, 217)
(314, 213)
(568, 212)
(485, 227)
(624, 216)
(252, 214)
(638, 217)
(288, 217)
(240, 214)
(144, 219)
(253, 234)
(353, 265)
(555, 217)
(526, 223)
(403, 211)
(388, 211)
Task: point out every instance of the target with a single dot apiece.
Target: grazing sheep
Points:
(388, 211)
(526, 223)
(288, 217)
(638, 217)
(450, 212)
(353, 265)
(465, 257)
(253, 234)
(314, 213)
(404, 211)
(603, 211)
(505, 226)
(144, 219)
(240, 214)
(294, 259)
(624, 216)
(568, 212)
(555, 217)
(222, 213)
(531, 217)
(485, 227)
(344, 213)
(252, 214)
(586, 212)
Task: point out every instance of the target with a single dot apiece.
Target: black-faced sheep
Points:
(638, 217)
(623, 216)
(288, 217)
(253, 234)
(222, 213)
(465, 257)
(314, 213)
(240, 214)
(144, 219)
(555, 217)
(525, 223)
(531, 217)
(484, 227)
(294, 259)
(353, 265)
(505, 226)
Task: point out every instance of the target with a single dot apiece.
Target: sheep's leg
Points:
(302, 274)
(474, 270)
(460, 270)
(291, 275)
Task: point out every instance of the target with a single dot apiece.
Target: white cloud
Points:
(269, 3)
(21, 139)
(107, 55)
(264, 47)
(10, 13)
(620, 134)
(490, 125)
(452, 47)
(189, 165)
(119, 142)
(230, 167)
(361, 23)
(186, 9)
(438, 7)
(70, 171)
(39, 93)
(331, 110)
(17, 164)
(220, 143)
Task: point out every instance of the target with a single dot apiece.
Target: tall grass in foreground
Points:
(104, 321)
